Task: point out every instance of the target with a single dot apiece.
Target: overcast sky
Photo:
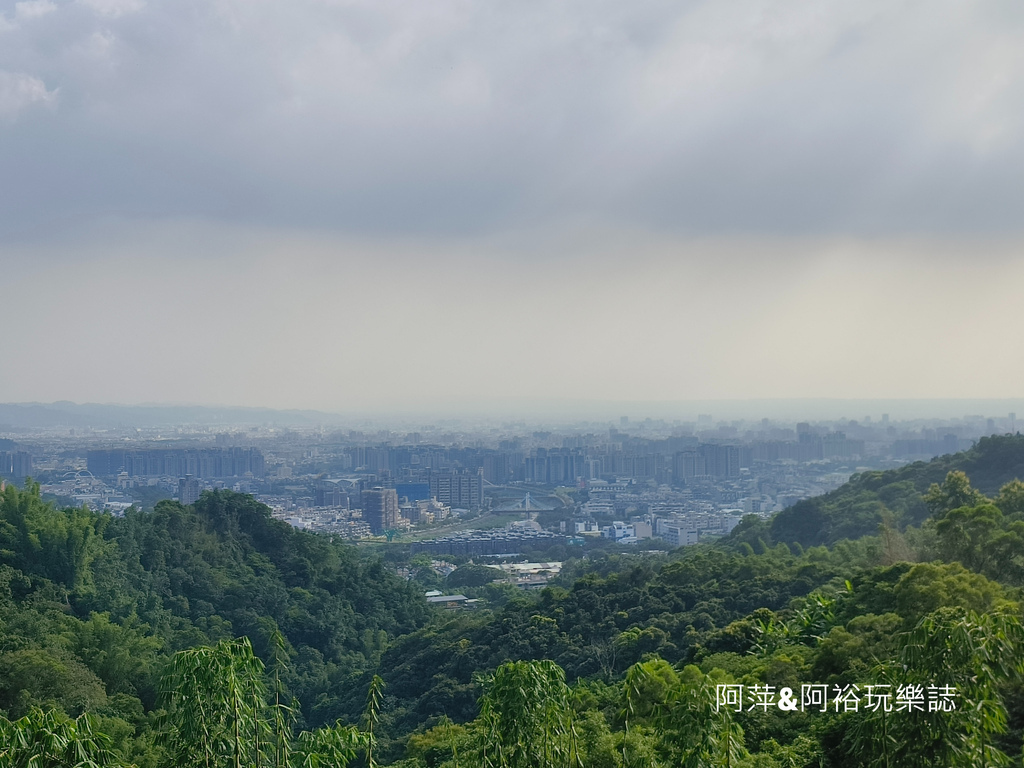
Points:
(344, 205)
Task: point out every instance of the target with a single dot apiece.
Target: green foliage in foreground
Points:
(219, 717)
(52, 740)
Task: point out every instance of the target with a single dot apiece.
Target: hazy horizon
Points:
(539, 412)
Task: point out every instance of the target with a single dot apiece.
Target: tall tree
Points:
(526, 718)
(371, 716)
(214, 698)
(954, 492)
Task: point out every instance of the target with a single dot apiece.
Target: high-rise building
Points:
(496, 468)
(188, 490)
(463, 489)
(686, 465)
(380, 509)
(721, 461)
(17, 464)
(21, 464)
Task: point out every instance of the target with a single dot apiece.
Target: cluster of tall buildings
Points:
(459, 488)
(205, 463)
(707, 460)
(810, 447)
(703, 460)
(674, 461)
(16, 464)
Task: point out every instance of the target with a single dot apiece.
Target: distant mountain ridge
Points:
(17, 416)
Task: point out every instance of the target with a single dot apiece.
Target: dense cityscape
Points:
(486, 489)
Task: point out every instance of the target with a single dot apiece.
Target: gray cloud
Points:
(462, 117)
(307, 203)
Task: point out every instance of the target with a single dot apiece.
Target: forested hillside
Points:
(129, 625)
(91, 607)
(895, 497)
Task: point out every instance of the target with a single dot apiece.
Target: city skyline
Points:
(678, 481)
